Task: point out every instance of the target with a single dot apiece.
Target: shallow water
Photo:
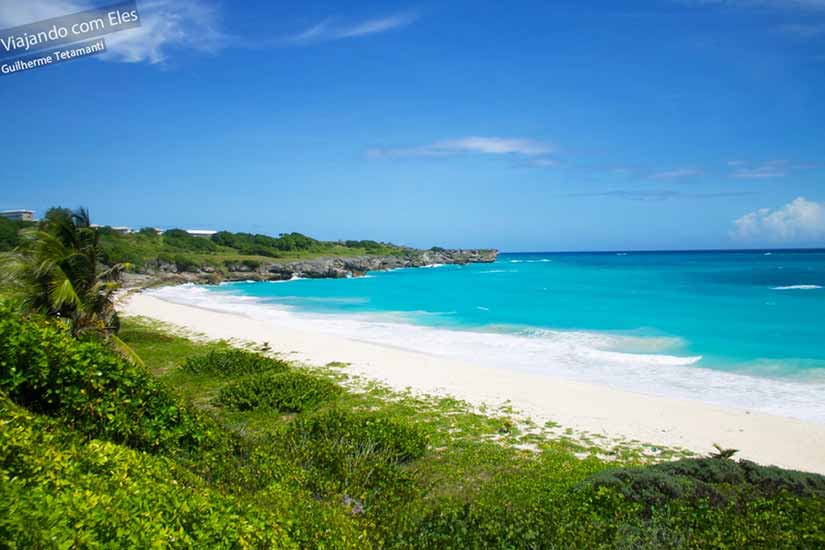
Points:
(742, 329)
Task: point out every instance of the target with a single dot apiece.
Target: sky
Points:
(525, 126)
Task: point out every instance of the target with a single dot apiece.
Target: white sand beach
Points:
(687, 424)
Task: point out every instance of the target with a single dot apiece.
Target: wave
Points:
(641, 364)
(543, 261)
(797, 287)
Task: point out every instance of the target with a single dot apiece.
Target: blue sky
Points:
(566, 125)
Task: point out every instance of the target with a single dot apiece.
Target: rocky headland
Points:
(162, 272)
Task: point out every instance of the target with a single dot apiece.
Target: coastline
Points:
(583, 407)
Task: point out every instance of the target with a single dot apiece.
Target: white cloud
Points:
(331, 29)
(676, 174)
(472, 144)
(165, 25)
(800, 220)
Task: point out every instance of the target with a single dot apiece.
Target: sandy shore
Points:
(692, 425)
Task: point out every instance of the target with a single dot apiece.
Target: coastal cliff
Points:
(320, 268)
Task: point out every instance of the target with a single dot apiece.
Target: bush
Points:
(98, 393)
(58, 491)
(290, 391)
(233, 362)
(357, 457)
(180, 239)
(186, 263)
(401, 441)
(716, 480)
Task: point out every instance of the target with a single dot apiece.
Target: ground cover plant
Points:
(98, 451)
(289, 391)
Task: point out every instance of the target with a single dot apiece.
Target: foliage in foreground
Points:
(233, 362)
(54, 270)
(60, 491)
(291, 391)
(359, 474)
(95, 392)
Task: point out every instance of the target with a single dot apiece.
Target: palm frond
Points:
(123, 349)
(62, 292)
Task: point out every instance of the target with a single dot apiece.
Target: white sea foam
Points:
(633, 363)
(542, 261)
(797, 287)
(293, 278)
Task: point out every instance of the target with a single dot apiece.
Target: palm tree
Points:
(56, 271)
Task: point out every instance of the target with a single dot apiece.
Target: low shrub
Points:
(290, 391)
(357, 456)
(59, 491)
(715, 480)
(233, 362)
(558, 501)
(95, 391)
(401, 441)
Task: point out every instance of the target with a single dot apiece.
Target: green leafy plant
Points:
(56, 271)
(97, 393)
(233, 362)
(290, 391)
(61, 491)
(722, 453)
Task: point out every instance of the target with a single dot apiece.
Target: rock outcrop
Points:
(319, 268)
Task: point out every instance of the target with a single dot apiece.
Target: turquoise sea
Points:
(737, 328)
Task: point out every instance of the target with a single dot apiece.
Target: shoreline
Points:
(584, 407)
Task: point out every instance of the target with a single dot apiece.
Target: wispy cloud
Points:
(742, 169)
(166, 25)
(799, 220)
(772, 4)
(472, 144)
(765, 170)
(679, 173)
(660, 195)
(334, 29)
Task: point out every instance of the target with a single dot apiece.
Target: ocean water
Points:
(734, 328)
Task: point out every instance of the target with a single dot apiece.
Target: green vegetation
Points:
(290, 391)
(55, 270)
(232, 362)
(9, 230)
(226, 251)
(96, 451)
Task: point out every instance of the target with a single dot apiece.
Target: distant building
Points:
(18, 215)
(205, 233)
